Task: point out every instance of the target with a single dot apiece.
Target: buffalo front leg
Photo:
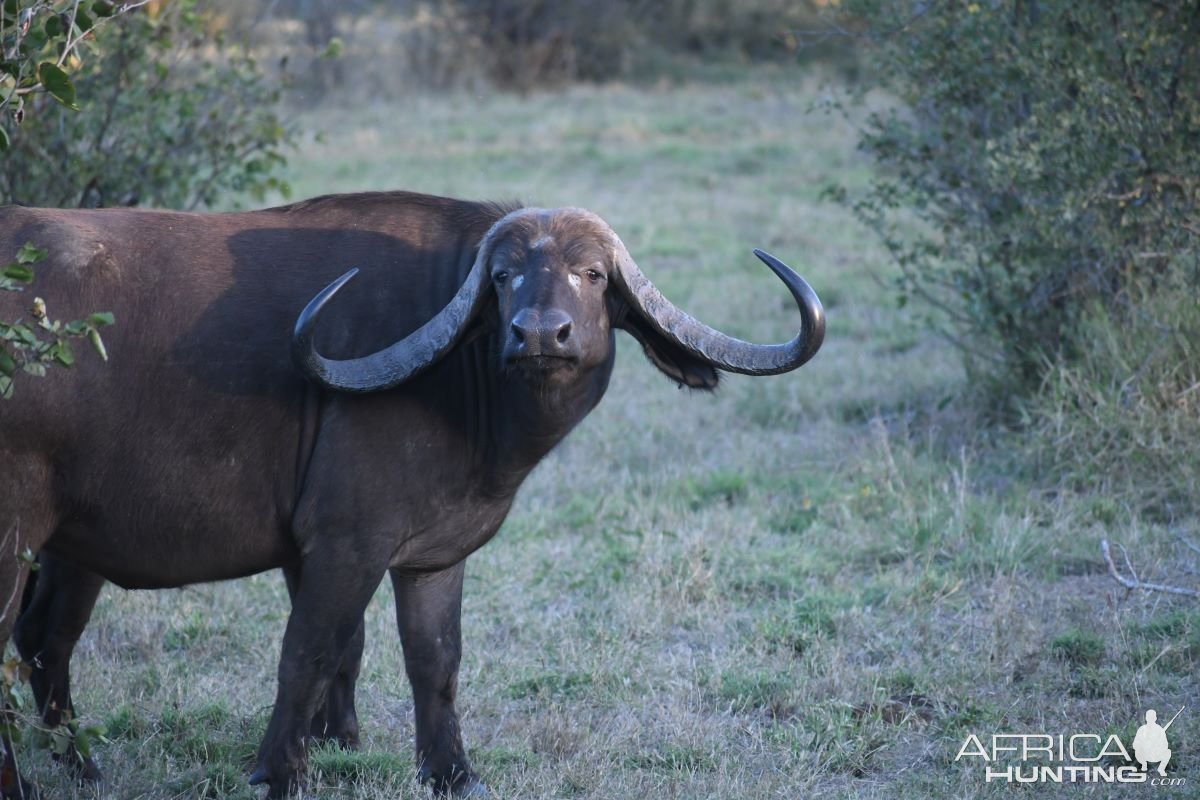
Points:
(59, 599)
(327, 612)
(428, 609)
(336, 718)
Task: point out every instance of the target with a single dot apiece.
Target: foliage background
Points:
(1039, 193)
(1049, 150)
(171, 113)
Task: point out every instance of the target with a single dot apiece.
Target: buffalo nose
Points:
(542, 332)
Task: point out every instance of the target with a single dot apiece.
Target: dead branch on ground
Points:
(1134, 583)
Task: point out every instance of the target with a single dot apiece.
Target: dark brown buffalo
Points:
(58, 603)
(259, 411)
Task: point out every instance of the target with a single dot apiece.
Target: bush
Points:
(1048, 154)
(1123, 420)
(170, 115)
(387, 49)
(533, 43)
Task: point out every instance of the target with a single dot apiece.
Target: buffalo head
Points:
(561, 280)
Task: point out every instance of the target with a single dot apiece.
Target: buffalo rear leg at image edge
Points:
(336, 719)
(428, 612)
(13, 574)
(57, 604)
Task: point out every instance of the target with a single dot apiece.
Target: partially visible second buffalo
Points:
(250, 419)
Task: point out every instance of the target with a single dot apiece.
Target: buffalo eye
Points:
(593, 275)
(500, 276)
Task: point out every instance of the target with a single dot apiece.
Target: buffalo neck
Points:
(527, 420)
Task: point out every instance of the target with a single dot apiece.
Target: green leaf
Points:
(30, 254)
(3, 139)
(333, 50)
(76, 327)
(54, 26)
(19, 272)
(98, 343)
(101, 318)
(57, 83)
(7, 365)
(83, 743)
(33, 42)
(6, 387)
(60, 740)
(36, 369)
(103, 8)
(62, 353)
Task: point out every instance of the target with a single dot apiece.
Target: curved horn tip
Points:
(302, 334)
(346, 277)
(771, 261)
(322, 297)
(810, 303)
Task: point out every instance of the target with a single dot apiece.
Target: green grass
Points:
(1078, 648)
(807, 585)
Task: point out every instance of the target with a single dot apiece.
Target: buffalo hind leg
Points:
(13, 574)
(336, 719)
(27, 520)
(428, 610)
(327, 613)
(59, 599)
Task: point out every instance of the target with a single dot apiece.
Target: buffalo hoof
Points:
(342, 741)
(280, 787)
(463, 786)
(84, 769)
(473, 789)
(344, 736)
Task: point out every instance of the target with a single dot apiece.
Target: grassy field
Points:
(811, 585)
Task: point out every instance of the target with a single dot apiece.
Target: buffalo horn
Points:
(718, 349)
(411, 355)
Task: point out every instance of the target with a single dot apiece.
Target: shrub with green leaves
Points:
(156, 107)
(31, 345)
(1048, 154)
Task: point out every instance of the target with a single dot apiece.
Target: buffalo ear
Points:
(671, 359)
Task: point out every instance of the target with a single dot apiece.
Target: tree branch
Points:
(1133, 583)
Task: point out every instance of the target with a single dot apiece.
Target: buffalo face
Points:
(550, 275)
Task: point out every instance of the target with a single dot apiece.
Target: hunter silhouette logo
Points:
(1150, 742)
(1075, 758)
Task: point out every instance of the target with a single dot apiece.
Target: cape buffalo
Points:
(258, 411)
(58, 603)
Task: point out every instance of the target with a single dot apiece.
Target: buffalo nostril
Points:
(564, 333)
(518, 332)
